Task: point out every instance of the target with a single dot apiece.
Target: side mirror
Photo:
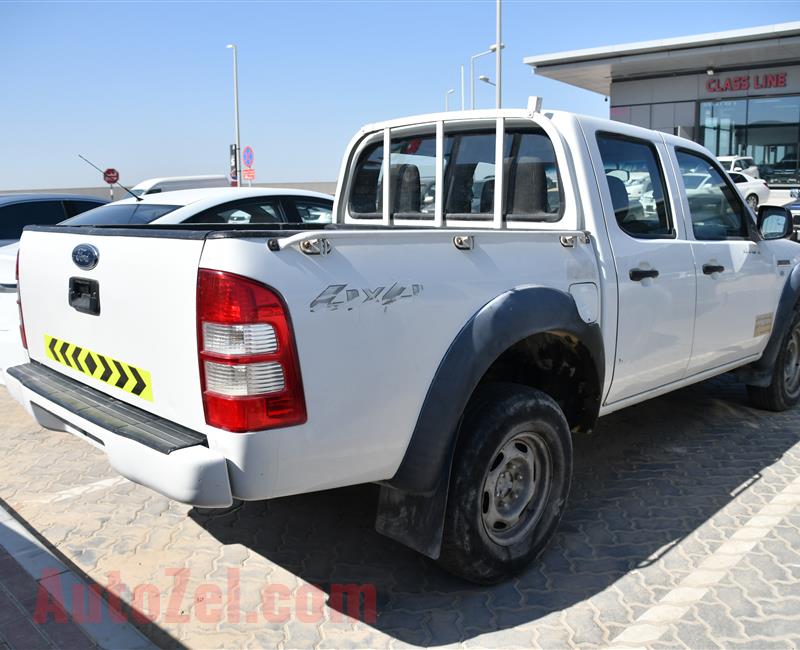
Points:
(774, 222)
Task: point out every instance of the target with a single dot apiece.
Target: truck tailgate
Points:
(127, 326)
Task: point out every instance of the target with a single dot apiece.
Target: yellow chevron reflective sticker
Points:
(113, 372)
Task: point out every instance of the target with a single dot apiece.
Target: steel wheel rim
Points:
(791, 368)
(752, 201)
(516, 488)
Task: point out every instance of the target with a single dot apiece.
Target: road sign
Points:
(110, 175)
(249, 174)
(248, 156)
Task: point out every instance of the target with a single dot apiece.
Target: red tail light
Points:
(19, 307)
(249, 371)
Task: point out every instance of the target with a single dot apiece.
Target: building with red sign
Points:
(736, 92)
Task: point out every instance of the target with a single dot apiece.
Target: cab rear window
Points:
(121, 214)
(532, 187)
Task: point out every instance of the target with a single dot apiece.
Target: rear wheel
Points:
(752, 201)
(783, 392)
(510, 483)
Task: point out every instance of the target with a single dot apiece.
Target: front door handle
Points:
(637, 275)
(708, 269)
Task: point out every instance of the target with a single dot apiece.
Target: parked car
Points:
(785, 173)
(17, 211)
(448, 356)
(743, 164)
(173, 183)
(754, 190)
(233, 205)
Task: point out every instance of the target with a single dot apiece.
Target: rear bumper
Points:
(170, 459)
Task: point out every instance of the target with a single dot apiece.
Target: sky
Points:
(147, 87)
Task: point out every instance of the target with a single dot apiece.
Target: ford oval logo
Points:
(85, 256)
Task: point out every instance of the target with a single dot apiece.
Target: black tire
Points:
(508, 418)
(752, 201)
(783, 391)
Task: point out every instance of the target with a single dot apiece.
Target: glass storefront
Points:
(766, 129)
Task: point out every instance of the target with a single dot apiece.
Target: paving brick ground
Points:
(683, 531)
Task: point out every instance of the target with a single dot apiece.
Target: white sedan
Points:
(754, 190)
(269, 207)
(214, 206)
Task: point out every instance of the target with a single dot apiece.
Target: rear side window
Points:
(14, 217)
(715, 208)
(636, 184)
(737, 178)
(264, 211)
(75, 208)
(120, 214)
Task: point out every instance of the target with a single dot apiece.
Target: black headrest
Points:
(459, 197)
(529, 187)
(619, 196)
(407, 188)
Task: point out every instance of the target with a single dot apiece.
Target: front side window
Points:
(636, 185)
(314, 211)
(714, 205)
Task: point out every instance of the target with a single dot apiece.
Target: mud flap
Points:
(414, 520)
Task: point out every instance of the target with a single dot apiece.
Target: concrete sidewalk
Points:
(36, 594)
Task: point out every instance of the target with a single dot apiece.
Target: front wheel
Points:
(783, 391)
(752, 201)
(510, 482)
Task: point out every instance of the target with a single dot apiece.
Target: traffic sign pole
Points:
(248, 158)
(111, 176)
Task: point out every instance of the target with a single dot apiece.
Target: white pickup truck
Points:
(444, 338)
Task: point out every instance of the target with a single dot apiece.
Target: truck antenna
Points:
(138, 198)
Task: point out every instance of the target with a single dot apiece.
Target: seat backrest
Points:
(459, 195)
(406, 188)
(619, 197)
(363, 198)
(529, 187)
(487, 196)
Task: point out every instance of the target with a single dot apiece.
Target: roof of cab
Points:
(186, 197)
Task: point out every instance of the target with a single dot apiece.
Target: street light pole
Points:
(447, 99)
(236, 113)
(462, 88)
(472, 74)
(498, 61)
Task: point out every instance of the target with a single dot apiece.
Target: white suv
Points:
(741, 164)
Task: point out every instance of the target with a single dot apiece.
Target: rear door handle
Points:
(708, 269)
(637, 275)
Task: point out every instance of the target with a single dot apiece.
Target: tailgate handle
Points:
(84, 295)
